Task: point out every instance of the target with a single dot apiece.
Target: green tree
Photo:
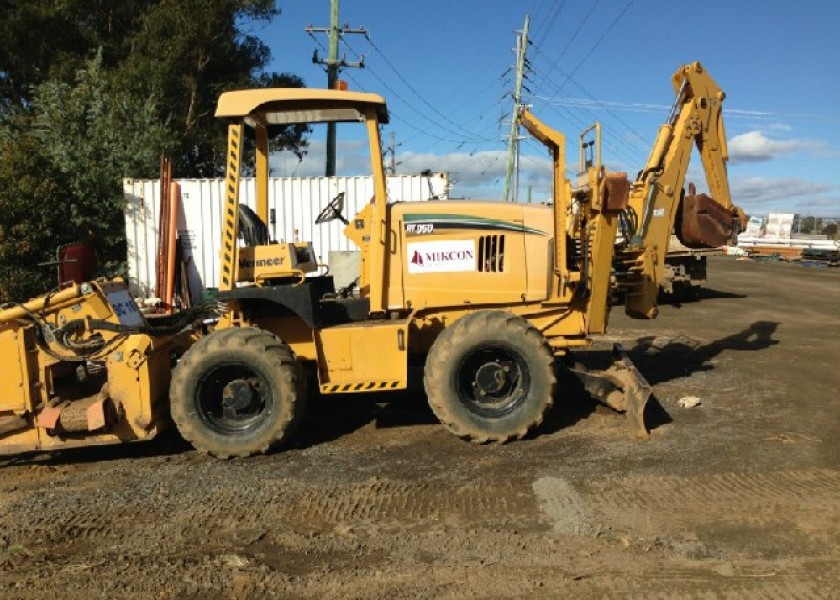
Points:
(92, 91)
(43, 40)
(807, 225)
(62, 172)
(32, 194)
(183, 52)
(189, 52)
(83, 130)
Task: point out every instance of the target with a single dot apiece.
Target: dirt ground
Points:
(738, 497)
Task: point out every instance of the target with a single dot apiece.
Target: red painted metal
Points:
(77, 263)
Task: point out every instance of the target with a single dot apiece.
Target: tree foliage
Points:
(32, 191)
(92, 91)
(62, 168)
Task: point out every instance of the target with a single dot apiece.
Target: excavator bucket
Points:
(621, 387)
(703, 223)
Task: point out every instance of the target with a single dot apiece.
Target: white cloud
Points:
(779, 127)
(764, 188)
(469, 169)
(828, 206)
(476, 175)
(760, 195)
(755, 146)
(481, 175)
(351, 159)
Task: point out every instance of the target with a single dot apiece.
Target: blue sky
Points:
(443, 68)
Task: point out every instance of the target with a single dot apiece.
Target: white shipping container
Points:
(294, 203)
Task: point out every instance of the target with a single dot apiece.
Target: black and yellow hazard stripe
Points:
(363, 386)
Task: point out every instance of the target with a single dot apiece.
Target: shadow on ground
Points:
(334, 416)
(168, 443)
(691, 294)
(683, 356)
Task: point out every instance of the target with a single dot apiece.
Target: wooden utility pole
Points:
(513, 139)
(392, 151)
(334, 66)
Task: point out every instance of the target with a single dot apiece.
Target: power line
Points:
(579, 29)
(548, 24)
(598, 43)
(475, 137)
(489, 164)
(411, 106)
(396, 94)
(644, 107)
(460, 141)
(483, 130)
(396, 117)
(638, 136)
(538, 11)
(569, 76)
(412, 88)
(608, 141)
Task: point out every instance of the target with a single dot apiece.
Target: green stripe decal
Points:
(469, 222)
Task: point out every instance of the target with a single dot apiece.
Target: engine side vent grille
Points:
(491, 253)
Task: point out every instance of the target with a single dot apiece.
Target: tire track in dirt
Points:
(714, 494)
(769, 515)
(715, 588)
(395, 503)
(793, 578)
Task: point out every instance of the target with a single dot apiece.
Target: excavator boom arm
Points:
(700, 93)
(657, 196)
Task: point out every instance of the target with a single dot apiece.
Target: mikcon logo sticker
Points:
(450, 256)
(417, 258)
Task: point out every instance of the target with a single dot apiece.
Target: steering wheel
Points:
(332, 211)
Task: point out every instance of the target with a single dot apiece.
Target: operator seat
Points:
(252, 229)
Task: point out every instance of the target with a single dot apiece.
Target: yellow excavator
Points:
(485, 296)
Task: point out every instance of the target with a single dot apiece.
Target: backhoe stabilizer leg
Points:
(621, 387)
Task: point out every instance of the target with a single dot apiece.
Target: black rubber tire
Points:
(474, 339)
(281, 395)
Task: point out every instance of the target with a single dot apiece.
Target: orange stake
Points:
(174, 201)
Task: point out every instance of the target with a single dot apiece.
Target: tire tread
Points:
(463, 333)
(281, 362)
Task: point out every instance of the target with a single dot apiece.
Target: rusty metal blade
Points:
(616, 191)
(637, 391)
(703, 223)
(621, 387)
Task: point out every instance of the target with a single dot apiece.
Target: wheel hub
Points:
(239, 395)
(491, 378)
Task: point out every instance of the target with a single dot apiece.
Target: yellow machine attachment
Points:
(82, 366)
(658, 204)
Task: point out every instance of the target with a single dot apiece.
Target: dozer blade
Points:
(703, 223)
(621, 387)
